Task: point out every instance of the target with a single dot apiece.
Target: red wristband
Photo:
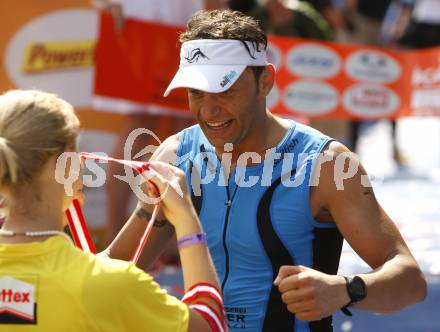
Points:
(210, 315)
(203, 289)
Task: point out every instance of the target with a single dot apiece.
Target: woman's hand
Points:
(168, 184)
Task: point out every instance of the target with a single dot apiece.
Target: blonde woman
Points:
(47, 284)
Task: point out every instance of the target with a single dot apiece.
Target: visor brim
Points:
(208, 78)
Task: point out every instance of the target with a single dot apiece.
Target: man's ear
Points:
(267, 80)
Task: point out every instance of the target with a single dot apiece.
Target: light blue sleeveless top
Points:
(258, 221)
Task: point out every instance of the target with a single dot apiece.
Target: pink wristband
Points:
(189, 240)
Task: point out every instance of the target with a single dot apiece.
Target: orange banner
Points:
(322, 79)
(315, 79)
(50, 45)
(337, 81)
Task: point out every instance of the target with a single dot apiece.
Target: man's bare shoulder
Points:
(335, 148)
(337, 156)
(337, 167)
(167, 150)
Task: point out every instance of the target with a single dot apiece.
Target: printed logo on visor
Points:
(195, 55)
(228, 78)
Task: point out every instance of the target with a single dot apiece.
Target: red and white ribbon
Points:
(139, 166)
(144, 238)
(79, 229)
(77, 223)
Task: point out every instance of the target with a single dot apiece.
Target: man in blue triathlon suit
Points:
(275, 198)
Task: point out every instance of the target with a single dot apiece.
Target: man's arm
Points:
(396, 280)
(125, 243)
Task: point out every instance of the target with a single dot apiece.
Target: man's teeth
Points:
(217, 124)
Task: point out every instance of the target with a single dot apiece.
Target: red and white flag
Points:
(134, 66)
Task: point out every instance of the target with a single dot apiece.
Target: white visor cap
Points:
(213, 65)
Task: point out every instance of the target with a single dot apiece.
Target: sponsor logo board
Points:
(370, 100)
(312, 98)
(313, 61)
(373, 66)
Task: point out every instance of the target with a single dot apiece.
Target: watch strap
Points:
(344, 309)
(356, 290)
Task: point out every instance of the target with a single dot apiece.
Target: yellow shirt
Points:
(52, 286)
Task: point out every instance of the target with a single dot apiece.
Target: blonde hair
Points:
(34, 126)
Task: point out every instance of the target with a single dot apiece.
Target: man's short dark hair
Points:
(227, 24)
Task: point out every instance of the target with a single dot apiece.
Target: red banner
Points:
(137, 63)
(316, 79)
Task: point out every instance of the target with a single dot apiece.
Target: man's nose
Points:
(210, 105)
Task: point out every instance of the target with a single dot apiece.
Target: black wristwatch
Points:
(357, 291)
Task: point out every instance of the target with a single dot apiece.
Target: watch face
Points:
(357, 289)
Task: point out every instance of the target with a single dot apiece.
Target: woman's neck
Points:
(40, 212)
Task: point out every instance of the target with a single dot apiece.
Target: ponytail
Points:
(8, 163)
